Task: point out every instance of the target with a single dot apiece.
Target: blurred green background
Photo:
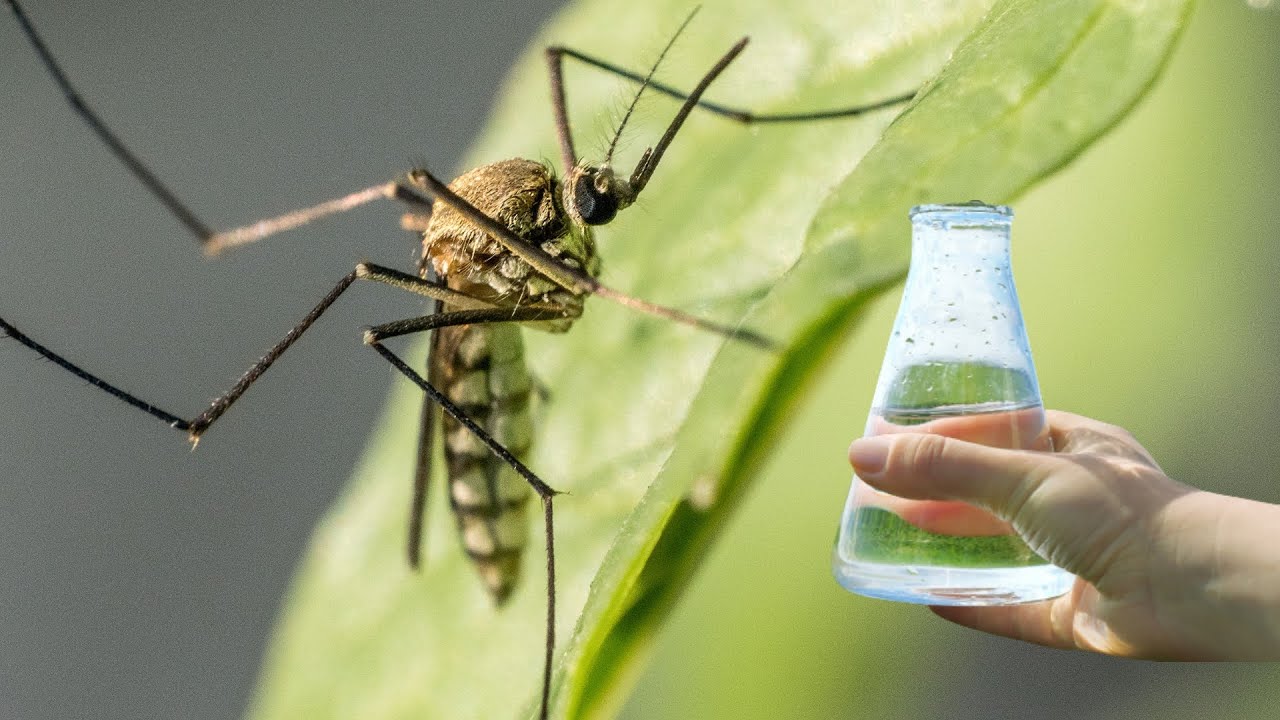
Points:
(1146, 271)
(142, 580)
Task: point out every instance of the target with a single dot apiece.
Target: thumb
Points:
(934, 467)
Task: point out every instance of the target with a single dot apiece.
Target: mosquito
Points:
(504, 246)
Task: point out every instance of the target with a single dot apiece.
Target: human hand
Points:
(1164, 570)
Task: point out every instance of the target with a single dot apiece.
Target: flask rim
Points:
(974, 210)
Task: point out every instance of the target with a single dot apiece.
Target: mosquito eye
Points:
(595, 207)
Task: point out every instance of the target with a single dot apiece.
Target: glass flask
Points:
(958, 364)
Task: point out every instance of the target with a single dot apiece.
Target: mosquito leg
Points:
(244, 235)
(421, 483)
(195, 427)
(211, 242)
(555, 67)
(528, 313)
(363, 271)
(117, 147)
(556, 53)
(201, 423)
(555, 74)
(422, 474)
(545, 494)
(427, 288)
(167, 418)
(375, 335)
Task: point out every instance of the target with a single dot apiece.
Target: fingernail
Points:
(869, 455)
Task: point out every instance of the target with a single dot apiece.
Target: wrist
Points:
(1215, 582)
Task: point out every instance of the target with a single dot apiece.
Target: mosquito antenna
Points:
(648, 80)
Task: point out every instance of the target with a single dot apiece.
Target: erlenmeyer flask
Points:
(958, 364)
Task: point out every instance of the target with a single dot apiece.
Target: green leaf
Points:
(722, 225)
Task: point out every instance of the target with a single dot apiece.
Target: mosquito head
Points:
(593, 195)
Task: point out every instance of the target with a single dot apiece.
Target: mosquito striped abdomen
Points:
(481, 367)
(482, 370)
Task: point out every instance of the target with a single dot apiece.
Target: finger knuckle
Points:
(926, 453)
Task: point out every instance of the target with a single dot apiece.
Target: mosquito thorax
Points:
(593, 195)
(526, 197)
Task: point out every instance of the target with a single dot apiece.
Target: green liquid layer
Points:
(921, 393)
(883, 537)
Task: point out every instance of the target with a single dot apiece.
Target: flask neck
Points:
(959, 304)
(959, 262)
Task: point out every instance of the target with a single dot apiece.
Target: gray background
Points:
(139, 579)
